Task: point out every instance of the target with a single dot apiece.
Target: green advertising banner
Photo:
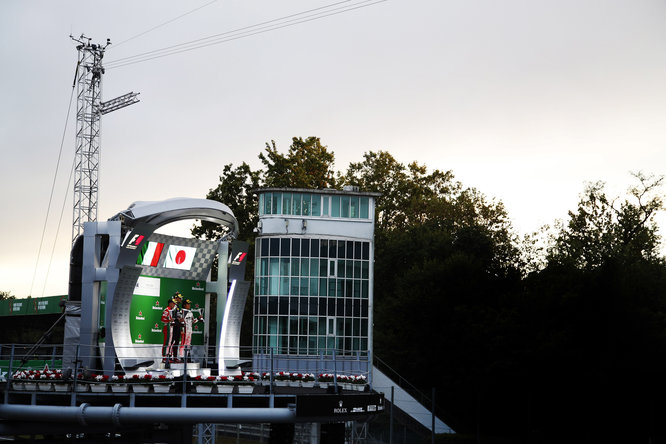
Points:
(151, 297)
(31, 306)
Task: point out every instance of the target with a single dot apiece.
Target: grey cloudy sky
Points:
(522, 99)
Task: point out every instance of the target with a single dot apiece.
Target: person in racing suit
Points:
(176, 328)
(188, 320)
(167, 330)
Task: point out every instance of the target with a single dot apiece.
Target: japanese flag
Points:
(179, 257)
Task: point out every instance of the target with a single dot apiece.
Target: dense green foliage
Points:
(567, 342)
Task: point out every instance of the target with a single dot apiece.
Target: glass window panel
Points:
(286, 203)
(322, 287)
(283, 347)
(357, 250)
(331, 268)
(305, 248)
(303, 326)
(272, 325)
(357, 309)
(305, 267)
(330, 345)
(323, 248)
(272, 305)
(348, 327)
(355, 344)
(366, 251)
(341, 249)
(330, 327)
(284, 305)
(364, 308)
(275, 246)
(364, 289)
(284, 247)
(306, 204)
(350, 269)
(263, 286)
(340, 310)
(322, 344)
(284, 266)
(349, 286)
(314, 307)
(295, 246)
(264, 266)
(332, 248)
(323, 267)
(314, 247)
(357, 269)
(264, 247)
(341, 268)
(302, 345)
(357, 288)
(348, 307)
(350, 250)
(364, 344)
(325, 205)
(304, 286)
(344, 206)
(364, 211)
(293, 305)
(296, 204)
(293, 343)
(263, 305)
(273, 285)
(335, 206)
(364, 328)
(277, 203)
(295, 286)
(315, 208)
(267, 203)
(322, 306)
(312, 326)
(353, 207)
(302, 306)
(321, 329)
(365, 270)
(262, 324)
(274, 267)
(293, 325)
(312, 345)
(283, 327)
(340, 288)
(295, 267)
(284, 285)
(261, 204)
(314, 287)
(314, 267)
(331, 306)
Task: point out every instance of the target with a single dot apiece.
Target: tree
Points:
(307, 164)
(6, 295)
(602, 230)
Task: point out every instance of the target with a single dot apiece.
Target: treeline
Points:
(560, 335)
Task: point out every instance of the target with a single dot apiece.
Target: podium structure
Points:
(122, 273)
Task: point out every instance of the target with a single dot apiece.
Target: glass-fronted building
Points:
(313, 276)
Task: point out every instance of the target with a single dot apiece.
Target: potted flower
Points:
(204, 384)
(140, 383)
(344, 381)
(224, 384)
(245, 383)
(358, 382)
(295, 379)
(281, 378)
(119, 384)
(308, 380)
(99, 383)
(325, 379)
(162, 383)
(60, 384)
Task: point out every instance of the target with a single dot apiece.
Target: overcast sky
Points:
(525, 100)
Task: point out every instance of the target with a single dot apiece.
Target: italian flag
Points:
(150, 254)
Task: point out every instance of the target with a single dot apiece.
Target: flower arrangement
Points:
(359, 379)
(282, 376)
(205, 380)
(325, 377)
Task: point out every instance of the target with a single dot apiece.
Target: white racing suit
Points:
(188, 320)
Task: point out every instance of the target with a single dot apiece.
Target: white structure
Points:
(313, 280)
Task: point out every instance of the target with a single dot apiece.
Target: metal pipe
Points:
(119, 415)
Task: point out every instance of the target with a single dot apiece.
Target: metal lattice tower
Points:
(90, 108)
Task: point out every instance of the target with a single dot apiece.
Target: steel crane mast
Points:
(89, 73)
